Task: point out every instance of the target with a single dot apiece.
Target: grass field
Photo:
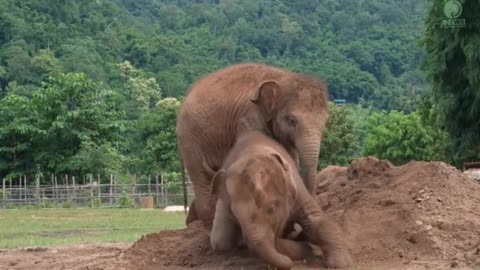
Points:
(44, 227)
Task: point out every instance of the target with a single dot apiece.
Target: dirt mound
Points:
(186, 248)
(422, 210)
(422, 214)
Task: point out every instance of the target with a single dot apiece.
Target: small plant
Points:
(68, 204)
(10, 206)
(95, 202)
(46, 204)
(125, 201)
(31, 206)
(6, 196)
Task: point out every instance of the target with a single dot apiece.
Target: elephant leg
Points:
(225, 232)
(192, 213)
(204, 206)
(293, 249)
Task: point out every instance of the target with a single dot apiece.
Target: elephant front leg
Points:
(203, 207)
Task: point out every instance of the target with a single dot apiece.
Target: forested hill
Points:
(366, 49)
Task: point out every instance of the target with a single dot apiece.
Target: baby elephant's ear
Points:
(282, 161)
(217, 181)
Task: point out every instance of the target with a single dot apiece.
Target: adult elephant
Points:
(290, 107)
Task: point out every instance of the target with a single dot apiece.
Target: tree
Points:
(452, 65)
(341, 138)
(402, 137)
(146, 92)
(73, 112)
(16, 132)
(154, 145)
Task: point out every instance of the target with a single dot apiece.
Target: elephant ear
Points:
(266, 96)
(280, 160)
(218, 181)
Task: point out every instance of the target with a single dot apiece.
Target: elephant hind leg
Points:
(192, 213)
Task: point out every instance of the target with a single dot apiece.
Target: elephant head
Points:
(259, 195)
(296, 110)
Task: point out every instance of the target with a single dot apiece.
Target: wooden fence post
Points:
(134, 186)
(91, 189)
(111, 189)
(99, 188)
(56, 188)
(25, 187)
(68, 189)
(20, 193)
(149, 183)
(74, 191)
(162, 188)
(156, 189)
(37, 188)
(4, 197)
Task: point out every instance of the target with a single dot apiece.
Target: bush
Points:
(94, 202)
(125, 201)
(46, 204)
(68, 204)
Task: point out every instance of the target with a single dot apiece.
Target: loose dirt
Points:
(422, 215)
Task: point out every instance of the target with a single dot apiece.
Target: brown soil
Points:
(423, 215)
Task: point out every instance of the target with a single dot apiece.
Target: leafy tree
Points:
(452, 65)
(146, 92)
(402, 137)
(17, 128)
(72, 110)
(154, 144)
(341, 138)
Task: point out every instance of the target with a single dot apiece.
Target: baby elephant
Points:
(259, 191)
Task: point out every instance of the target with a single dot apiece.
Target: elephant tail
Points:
(184, 184)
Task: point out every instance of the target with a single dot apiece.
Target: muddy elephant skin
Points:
(290, 107)
(259, 191)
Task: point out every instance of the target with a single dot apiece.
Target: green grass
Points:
(44, 227)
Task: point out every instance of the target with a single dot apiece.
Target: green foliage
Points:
(125, 201)
(46, 204)
(93, 87)
(341, 142)
(17, 127)
(452, 65)
(79, 121)
(400, 138)
(360, 47)
(154, 144)
(68, 204)
(95, 202)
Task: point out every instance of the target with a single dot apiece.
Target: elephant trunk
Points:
(309, 150)
(263, 244)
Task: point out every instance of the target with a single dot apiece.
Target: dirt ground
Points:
(423, 215)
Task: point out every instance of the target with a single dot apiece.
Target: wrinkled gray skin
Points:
(259, 191)
(290, 107)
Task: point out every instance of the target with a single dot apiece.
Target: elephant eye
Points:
(291, 121)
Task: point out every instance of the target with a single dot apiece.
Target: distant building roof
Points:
(340, 100)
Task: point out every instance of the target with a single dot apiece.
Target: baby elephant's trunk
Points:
(264, 247)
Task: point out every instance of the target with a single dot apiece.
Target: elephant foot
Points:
(339, 258)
